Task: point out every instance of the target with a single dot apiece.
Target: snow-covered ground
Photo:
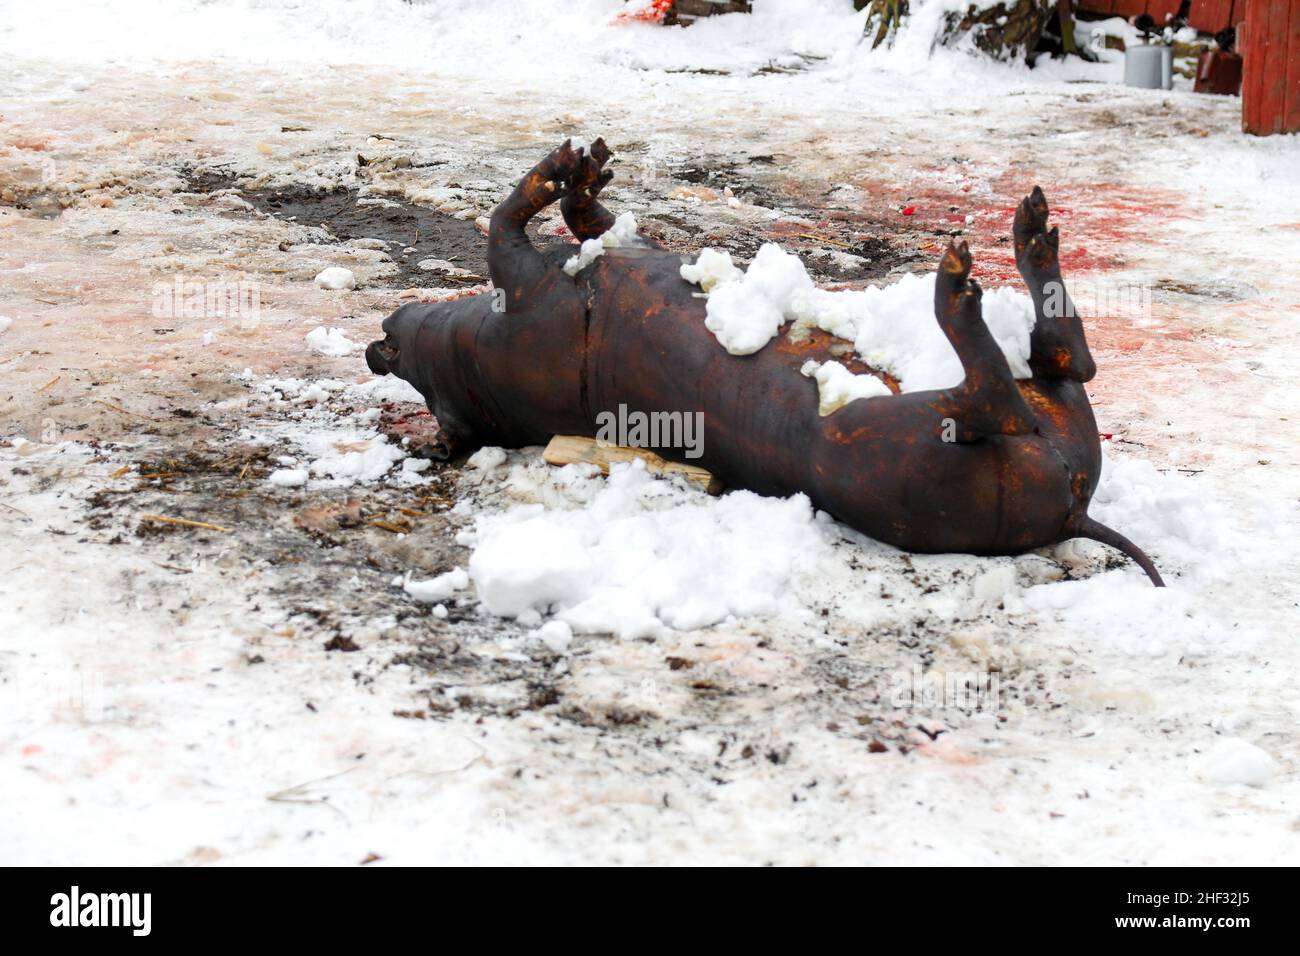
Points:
(357, 654)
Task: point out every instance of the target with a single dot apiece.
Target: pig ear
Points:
(381, 356)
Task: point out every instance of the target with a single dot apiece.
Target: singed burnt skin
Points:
(991, 466)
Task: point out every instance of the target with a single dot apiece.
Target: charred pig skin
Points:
(992, 466)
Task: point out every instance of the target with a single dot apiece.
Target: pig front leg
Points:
(583, 213)
(515, 265)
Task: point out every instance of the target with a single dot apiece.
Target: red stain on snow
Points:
(1098, 220)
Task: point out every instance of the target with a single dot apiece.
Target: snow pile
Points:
(351, 457)
(339, 447)
(332, 342)
(644, 555)
(1233, 761)
(1122, 609)
(892, 328)
(837, 386)
(622, 233)
(336, 278)
(1177, 514)
(5, 322)
(636, 557)
(1181, 523)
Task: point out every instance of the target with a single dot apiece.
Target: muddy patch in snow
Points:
(830, 230)
(425, 245)
(38, 203)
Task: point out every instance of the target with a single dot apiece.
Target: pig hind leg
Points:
(988, 401)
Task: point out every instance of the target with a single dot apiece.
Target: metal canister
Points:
(1149, 67)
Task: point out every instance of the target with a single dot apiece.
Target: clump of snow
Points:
(745, 310)
(437, 589)
(742, 318)
(345, 456)
(1236, 761)
(530, 565)
(645, 555)
(389, 388)
(5, 322)
(837, 386)
(336, 278)
(588, 252)
(892, 328)
(332, 342)
(288, 477)
(712, 268)
(556, 635)
(622, 233)
(485, 459)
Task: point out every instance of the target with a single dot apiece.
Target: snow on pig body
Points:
(990, 466)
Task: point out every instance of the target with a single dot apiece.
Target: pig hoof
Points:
(583, 214)
(952, 281)
(559, 169)
(1036, 246)
(592, 176)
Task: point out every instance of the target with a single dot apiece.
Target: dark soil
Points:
(403, 225)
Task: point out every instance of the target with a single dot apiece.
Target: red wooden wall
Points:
(1208, 15)
(1211, 16)
(1268, 40)
(1270, 84)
